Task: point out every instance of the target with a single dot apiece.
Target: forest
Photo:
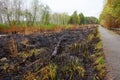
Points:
(110, 16)
(18, 13)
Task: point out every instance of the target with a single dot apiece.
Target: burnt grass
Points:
(29, 57)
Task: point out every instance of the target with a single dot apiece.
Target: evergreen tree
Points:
(81, 18)
(74, 18)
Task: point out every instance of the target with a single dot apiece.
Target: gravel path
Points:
(111, 45)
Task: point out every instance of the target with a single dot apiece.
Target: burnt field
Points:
(73, 54)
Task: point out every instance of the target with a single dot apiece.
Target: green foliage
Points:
(3, 25)
(48, 26)
(81, 18)
(91, 20)
(100, 60)
(74, 18)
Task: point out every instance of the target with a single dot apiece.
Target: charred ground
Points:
(72, 54)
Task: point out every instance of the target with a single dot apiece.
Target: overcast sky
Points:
(87, 7)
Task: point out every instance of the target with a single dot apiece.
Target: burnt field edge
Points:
(79, 56)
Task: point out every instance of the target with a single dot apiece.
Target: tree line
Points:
(18, 12)
(81, 19)
(110, 16)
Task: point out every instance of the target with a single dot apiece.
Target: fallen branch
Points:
(33, 63)
(57, 47)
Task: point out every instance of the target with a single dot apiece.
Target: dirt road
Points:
(111, 45)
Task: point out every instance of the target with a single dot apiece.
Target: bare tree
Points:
(6, 10)
(34, 10)
(1, 20)
(59, 19)
(14, 12)
(46, 15)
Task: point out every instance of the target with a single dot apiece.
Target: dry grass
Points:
(30, 76)
(98, 58)
(73, 68)
(33, 29)
(49, 72)
(13, 48)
